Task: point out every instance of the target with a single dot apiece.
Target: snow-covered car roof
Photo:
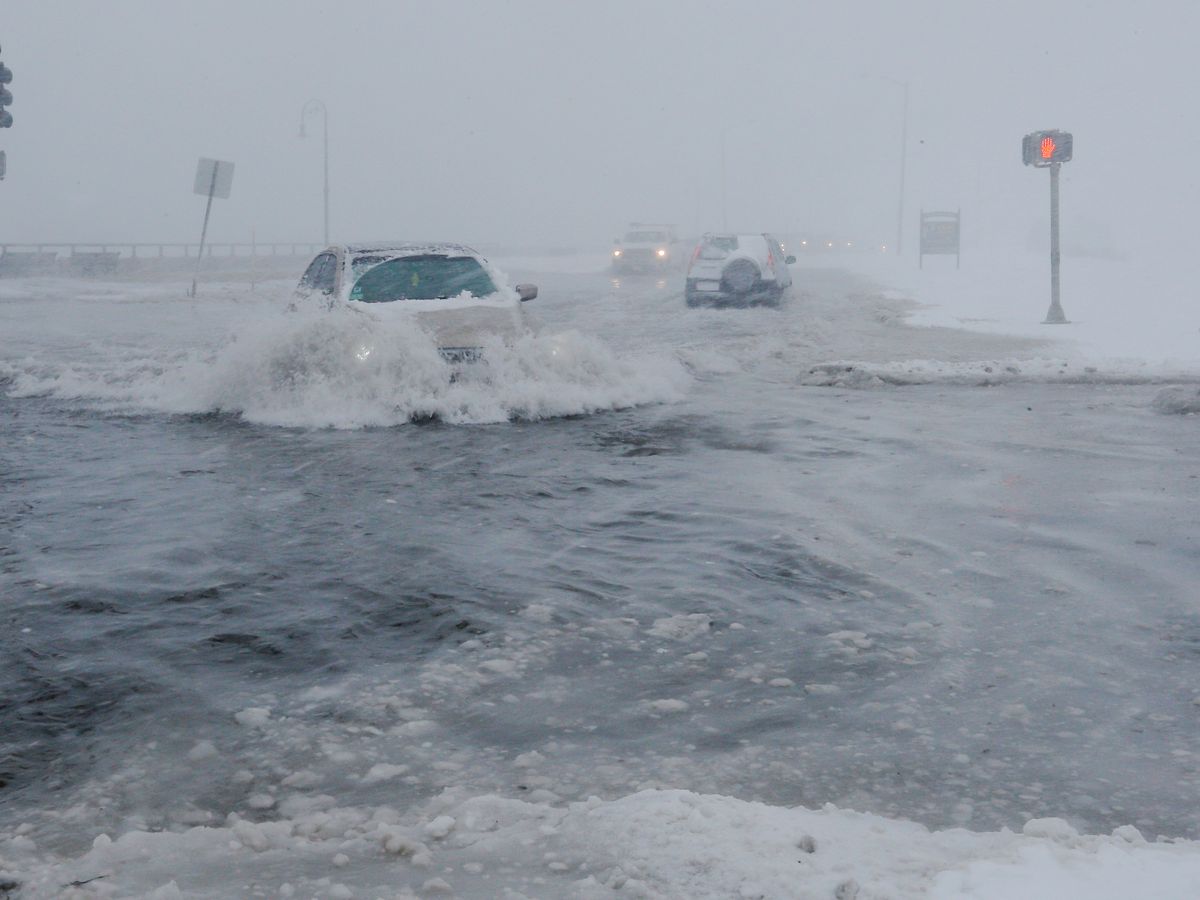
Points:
(411, 248)
(741, 236)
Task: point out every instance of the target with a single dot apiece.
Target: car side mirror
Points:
(526, 291)
(789, 260)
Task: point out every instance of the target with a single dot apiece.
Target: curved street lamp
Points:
(315, 106)
(903, 160)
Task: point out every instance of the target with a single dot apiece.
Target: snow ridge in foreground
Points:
(651, 844)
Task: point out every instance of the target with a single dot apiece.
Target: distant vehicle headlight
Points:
(661, 252)
(616, 253)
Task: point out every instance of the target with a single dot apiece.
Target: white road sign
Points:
(215, 176)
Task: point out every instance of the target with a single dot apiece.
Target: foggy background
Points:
(553, 124)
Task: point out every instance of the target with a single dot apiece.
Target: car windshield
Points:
(425, 277)
(646, 237)
(718, 246)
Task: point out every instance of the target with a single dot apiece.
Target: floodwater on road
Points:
(733, 551)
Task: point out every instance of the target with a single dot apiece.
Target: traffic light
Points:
(6, 96)
(1044, 148)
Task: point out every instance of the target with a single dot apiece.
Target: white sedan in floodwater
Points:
(451, 290)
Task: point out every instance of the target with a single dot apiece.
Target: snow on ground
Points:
(651, 844)
(1140, 315)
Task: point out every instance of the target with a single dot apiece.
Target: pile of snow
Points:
(651, 844)
(1178, 400)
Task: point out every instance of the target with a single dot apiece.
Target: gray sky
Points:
(533, 122)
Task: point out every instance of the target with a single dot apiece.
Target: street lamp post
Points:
(903, 162)
(313, 106)
(903, 157)
(724, 214)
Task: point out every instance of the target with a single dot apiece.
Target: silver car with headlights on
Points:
(451, 291)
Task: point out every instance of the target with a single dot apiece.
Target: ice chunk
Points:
(253, 716)
(681, 628)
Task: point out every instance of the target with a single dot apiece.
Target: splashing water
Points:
(340, 369)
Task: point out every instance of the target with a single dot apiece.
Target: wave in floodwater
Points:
(343, 370)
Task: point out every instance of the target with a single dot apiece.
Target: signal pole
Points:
(1055, 315)
(1050, 149)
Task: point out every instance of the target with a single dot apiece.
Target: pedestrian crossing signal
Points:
(1045, 148)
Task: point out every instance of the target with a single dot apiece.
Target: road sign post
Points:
(214, 178)
(1050, 149)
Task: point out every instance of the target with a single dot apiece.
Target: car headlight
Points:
(661, 252)
(616, 253)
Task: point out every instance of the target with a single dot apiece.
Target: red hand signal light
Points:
(1046, 148)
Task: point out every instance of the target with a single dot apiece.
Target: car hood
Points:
(456, 325)
(469, 326)
(642, 245)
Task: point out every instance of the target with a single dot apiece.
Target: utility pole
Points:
(903, 166)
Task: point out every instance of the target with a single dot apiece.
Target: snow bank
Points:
(1140, 313)
(651, 844)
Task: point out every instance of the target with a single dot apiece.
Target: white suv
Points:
(738, 269)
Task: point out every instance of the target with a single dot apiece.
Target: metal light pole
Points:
(903, 163)
(903, 157)
(724, 208)
(313, 106)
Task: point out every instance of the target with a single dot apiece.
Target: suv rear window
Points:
(718, 246)
(426, 277)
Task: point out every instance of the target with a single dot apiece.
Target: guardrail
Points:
(125, 250)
